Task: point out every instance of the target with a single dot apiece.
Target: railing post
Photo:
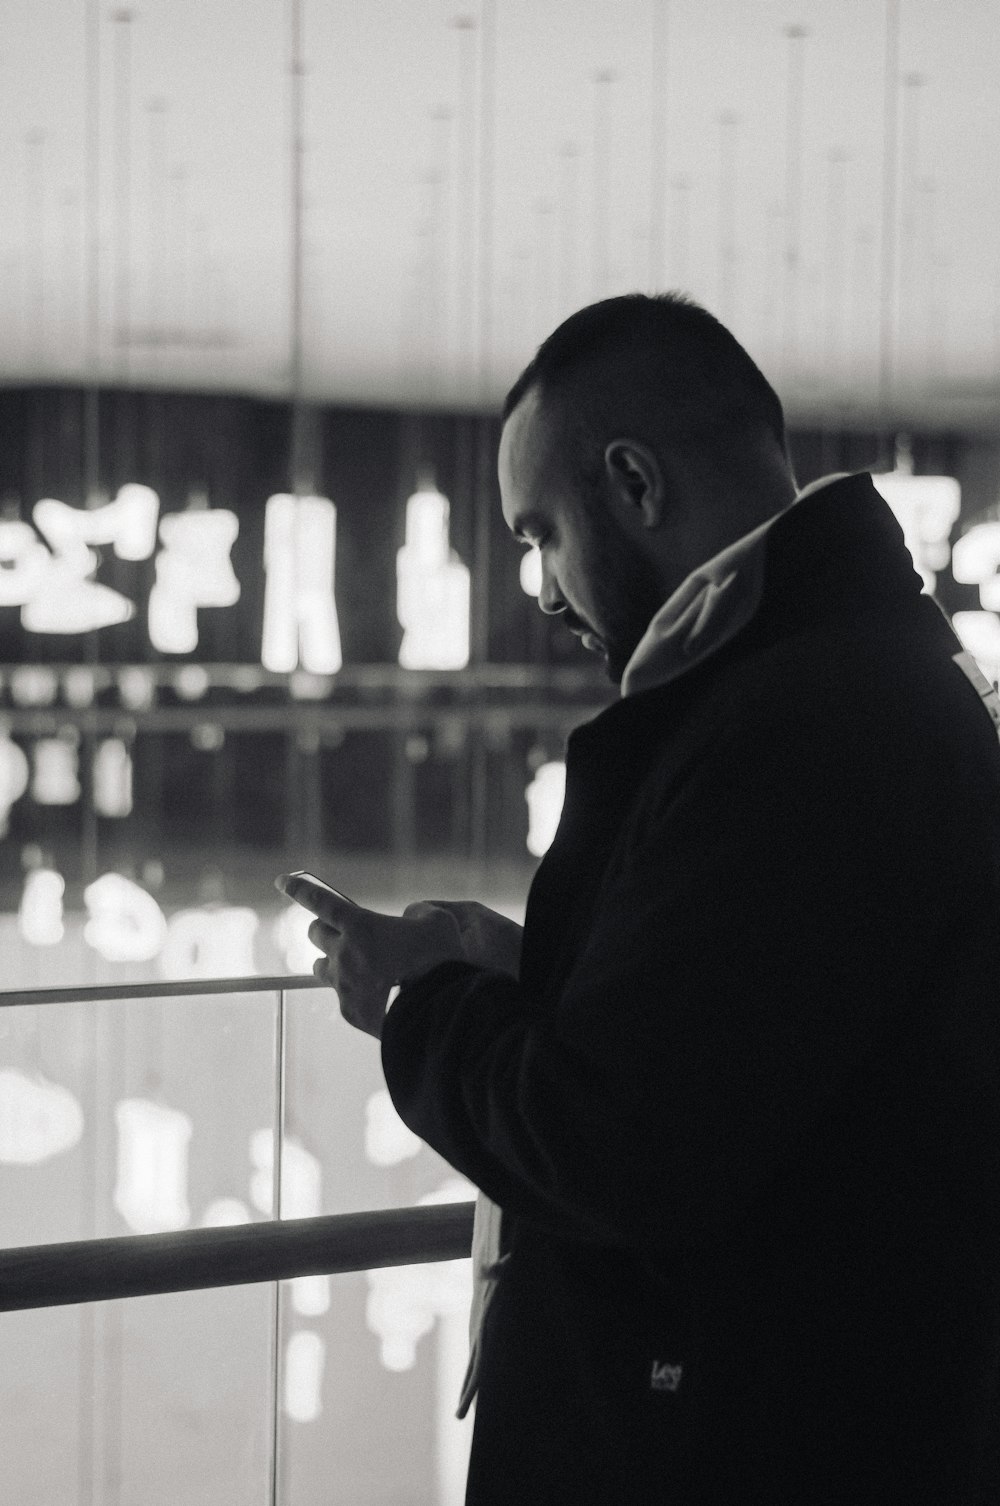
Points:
(278, 1157)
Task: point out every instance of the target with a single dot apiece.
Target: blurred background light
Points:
(151, 1182)
(976, 562)
(301, 627)
(290, 934)
(305, 1357)
(124, 922)
(55, 776)
(136, 688)
(113, 779)
(24, 563)
(192, 682)
(40, 913)
(545, 795)
(213, 942)
(207, 737)
(193, 570)
(926, 508)
(223, 1212)
(128, 524)
(433, 589)
(38, 1118)
(79, 687)
(399, 1313)
(531, 572)
(14, 773)
(301, 1177)
(33, 685)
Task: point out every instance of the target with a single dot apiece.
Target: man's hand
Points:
(368, 953)
(488, 939)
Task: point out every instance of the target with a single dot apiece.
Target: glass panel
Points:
(169, 1398)
(346, 1147)
(369, 1420)
(133, 1116)
(160, 1400)
(358, 1349)
(137, 1116)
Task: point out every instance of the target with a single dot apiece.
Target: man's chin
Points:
(614, 665)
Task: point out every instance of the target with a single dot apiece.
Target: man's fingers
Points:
(421, 908)
(322, 935)
(333, 908)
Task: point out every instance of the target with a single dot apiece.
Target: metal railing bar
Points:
(383, 676)
(145, 1265)
(112, 993)
(330, 719)
(276, 1184)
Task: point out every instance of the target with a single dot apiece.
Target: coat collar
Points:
(721, 597)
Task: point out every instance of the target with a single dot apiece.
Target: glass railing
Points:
(219, 1151)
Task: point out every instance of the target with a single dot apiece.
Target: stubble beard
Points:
(626, 596)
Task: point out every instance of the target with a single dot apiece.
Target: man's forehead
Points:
(524, 453)
(520, 428)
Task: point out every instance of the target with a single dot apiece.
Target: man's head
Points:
(640, 441)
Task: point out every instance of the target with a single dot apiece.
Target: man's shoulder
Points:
(885, 674)
(894, 674)
(885, 689)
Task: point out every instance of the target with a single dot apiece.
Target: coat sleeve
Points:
(757, 929)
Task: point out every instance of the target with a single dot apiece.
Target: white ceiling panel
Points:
(454, 212)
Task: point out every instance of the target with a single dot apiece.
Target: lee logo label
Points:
(665, 1377)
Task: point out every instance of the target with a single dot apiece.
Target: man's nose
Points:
(550, 598)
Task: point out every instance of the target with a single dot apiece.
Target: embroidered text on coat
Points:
(665, 1377)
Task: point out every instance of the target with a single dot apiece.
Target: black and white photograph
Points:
(500, 753)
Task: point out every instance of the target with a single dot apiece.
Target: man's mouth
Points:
(589, 640)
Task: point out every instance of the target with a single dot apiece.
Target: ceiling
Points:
(467, 185)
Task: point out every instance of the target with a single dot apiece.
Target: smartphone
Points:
(318, 883)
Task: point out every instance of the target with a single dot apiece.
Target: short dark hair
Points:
(668, 367)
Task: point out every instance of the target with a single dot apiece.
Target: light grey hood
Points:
(708, 609)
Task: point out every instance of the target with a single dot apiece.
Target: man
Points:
(738, 1099)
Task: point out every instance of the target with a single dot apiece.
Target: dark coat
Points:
(742, 1110)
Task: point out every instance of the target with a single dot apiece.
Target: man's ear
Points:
(636, 478)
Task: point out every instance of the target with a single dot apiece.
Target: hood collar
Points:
(710, 607)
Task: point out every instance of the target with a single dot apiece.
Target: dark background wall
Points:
(367, 461)
(401, 766)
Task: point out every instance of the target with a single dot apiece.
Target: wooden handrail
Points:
(143, 1265)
